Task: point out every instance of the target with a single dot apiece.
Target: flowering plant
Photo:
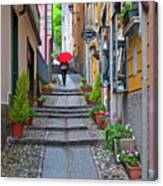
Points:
(117, 131)
(130, 156)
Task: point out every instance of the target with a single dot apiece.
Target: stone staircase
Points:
(57, 125)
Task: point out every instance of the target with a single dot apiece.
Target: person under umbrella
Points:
(63, 58)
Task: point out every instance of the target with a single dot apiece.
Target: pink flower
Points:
(131, 150)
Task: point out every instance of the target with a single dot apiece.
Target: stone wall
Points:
(5, 126)
(133, 115)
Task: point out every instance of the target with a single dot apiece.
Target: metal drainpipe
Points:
(152, 92)
(144, 157)
(111, 65)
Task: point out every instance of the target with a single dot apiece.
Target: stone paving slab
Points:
(76, 135)
(69, 162)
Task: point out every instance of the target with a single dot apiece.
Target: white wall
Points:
(5, 53)
(66, 28)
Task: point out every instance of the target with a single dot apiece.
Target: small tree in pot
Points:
(20, 107)
(31, 115)
(40, 101)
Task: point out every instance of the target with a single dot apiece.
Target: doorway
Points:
(30, 67)
(14, 50)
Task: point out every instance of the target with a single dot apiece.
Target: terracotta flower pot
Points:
(134, 172)
(96, 115)
(30, 121)
(40, 103)
(87, 89)
(89, 101)
(17, 130)
(47, 90)
(103, 124)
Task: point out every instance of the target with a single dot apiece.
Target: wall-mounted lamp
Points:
(71, 6)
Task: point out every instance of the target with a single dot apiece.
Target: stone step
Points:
(63, 94)
(66, 107)
(56, 138)
(71, 124)
(63, 111)
(57, 127)
(60, 124)
(58, 115)
(67, 90)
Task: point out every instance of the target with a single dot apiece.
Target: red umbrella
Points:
(64, 57)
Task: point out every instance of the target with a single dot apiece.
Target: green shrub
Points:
(32, 113)
(48, 86)
(42, 98)
(116, 131)
(96, 92)
(128, 6)
(20, 106)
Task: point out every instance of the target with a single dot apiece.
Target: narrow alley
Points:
(67, 140)
(79, 90)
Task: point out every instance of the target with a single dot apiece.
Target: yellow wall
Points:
(134, 81)
(94, 67)
(108, 13)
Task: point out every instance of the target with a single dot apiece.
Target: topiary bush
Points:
(96, 92)
(20, 105)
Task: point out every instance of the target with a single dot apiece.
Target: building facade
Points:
(78, 43)
(20, 39)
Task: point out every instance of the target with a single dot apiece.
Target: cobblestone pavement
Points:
(108, 169)
(65, 157)
(22, 161)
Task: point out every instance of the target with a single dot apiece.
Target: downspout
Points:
(153, 92)
(111, 63)
(145, 139)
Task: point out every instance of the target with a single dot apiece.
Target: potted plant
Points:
(20, 107)
(125, 139)
(103, 121)
(82, 80)
(87, 88)
(41, 100)
(130, 159)
(87, 97)
(96, 111)
(31, 115)
(47, 88)
(130, 10)
(96, 91)
(114, 133)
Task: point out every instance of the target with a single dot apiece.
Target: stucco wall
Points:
(133, 114)
(25, 31)
(5, 53)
